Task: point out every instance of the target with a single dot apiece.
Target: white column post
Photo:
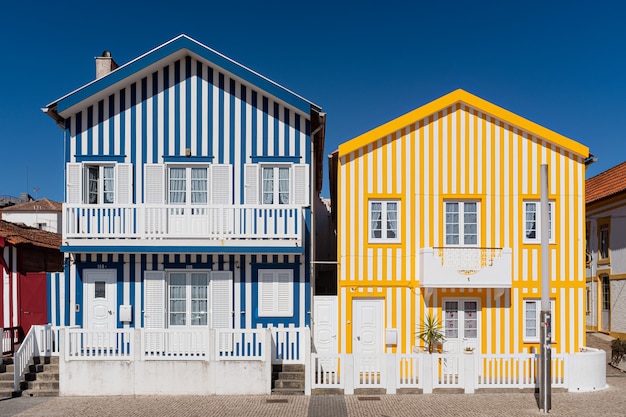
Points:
(427, 374)
(347, 373)
(469, 372)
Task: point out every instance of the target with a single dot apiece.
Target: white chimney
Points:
(105, 64)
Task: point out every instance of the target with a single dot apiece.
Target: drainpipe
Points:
(313, 194)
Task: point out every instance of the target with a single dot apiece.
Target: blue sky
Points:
(561, 64)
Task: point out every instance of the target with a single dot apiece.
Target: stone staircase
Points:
(41, 380)
(288, 379)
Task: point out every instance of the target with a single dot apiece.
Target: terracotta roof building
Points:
(42, 214)
(606, 184)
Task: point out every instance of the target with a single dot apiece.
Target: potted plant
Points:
(431, 332)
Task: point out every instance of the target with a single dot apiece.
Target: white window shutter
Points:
(154, 184)
(154, 300)
(251, 184)
(301, 186)
(221, 184)
(266, 294)
(74, 185)
(222, 306)
(124, 182)
(284, 283)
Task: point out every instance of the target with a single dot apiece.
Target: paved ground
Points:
(608, 402)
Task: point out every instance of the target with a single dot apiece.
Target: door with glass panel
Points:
(461, 325)
(188, 199)
(605, 312)
(276, 185)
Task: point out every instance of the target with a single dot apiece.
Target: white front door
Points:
(100, 299)
(325, 329)
(367, 326)
(461, 325)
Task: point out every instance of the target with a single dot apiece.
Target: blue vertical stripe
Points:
(133, 122)
(89, 130)
(111, 138)
(242, 289)
(166, 110)
(188, 102)
(276, 127)
(307, 150)
(155, 117)
(79, 133)
(286, 131)
(133, 278)
(265, 123)
(144, 123)
(101, 127)
(297, 133)
(233, 93)
(123, 121)
(79, 298)
(243, 142)
(200, 108)
(255, 139)
(209, 110)
(220, 117)
(68, 140)
(177, 115)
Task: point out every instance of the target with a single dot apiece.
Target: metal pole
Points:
(545, 328)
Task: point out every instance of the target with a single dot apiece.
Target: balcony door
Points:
(461, 325)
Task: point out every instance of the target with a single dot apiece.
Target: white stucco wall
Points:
(592, 317)
(52, 220)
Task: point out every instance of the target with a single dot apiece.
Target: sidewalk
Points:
(608, 402)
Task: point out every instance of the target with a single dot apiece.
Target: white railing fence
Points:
(289, 344)
(21, 359)
(467, 371)
(251, 222)
(174, 344)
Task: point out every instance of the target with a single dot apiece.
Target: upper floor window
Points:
(276, 185)
(99, 183)
(461, 223)
(383, 215)
(188, 185)
(532, 222)
(191, 184)
(603, 241)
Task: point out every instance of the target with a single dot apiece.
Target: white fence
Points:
(467, 371)
(250, 222)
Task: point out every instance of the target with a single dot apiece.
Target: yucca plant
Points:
(431, 332)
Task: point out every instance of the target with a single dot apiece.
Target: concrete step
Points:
(6, 385)
(40, 393)
(287, 391)
(6, 376)
(290, 375)
(289, 383)
(40, 386)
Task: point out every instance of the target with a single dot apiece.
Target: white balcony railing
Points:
(226, 223)
(466, 267)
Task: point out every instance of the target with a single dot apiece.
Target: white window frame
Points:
(384, 220)
(276, 193)
(100, 183)
(188, 299)
(188, 184)
(461, 213)
(537, 316)
(274, 286)
(537, 221)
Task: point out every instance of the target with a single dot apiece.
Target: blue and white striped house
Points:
(189, 180)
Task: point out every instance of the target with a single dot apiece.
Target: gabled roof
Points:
(20, 234)
(606, 184)
(472, 101)
(179, 46)
(36, 206)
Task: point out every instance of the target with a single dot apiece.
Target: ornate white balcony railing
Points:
(241, 222)
(466, 267)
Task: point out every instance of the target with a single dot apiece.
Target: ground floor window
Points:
(275, 293)
(532, 315)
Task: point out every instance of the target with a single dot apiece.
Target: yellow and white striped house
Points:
(438, 215)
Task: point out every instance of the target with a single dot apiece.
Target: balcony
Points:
(87, 225)
(465, 267)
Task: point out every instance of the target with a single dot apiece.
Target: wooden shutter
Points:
(221, 184)
(155, 307)
(251, 184)
(301, 186)
(275, 293)
(154, 184)
(124, 183)
(266, 293)
(74, 183)
(284, 293)
(222, 306)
